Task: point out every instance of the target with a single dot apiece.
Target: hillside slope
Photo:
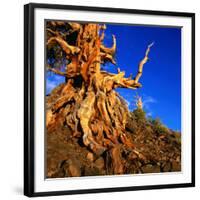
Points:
(155, 148)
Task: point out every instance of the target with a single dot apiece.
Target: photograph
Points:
(112, 99)
(108, 100)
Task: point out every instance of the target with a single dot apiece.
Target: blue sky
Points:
(161, 79)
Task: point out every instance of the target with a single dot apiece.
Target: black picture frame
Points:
(29, 112)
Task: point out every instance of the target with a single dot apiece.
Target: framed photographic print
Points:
(108, 99)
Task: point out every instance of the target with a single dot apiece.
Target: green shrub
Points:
(140, 116)
(158, 127)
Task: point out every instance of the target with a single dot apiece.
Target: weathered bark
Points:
(143, 61)
(88, 101)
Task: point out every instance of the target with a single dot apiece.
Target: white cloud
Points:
(53, 81)
(149, 114)
(148, 100)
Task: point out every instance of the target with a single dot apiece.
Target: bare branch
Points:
(142, 62)
(103, 28)
(119, 81)
(68, 49)
(110, 50)
(57, 23)
(107, 57)
(57, 71)
(52, 32)
(75, 26)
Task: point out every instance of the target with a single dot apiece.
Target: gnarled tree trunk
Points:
(88, 103)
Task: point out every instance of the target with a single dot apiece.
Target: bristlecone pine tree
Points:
(88, 102)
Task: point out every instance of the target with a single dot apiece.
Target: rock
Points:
(150, 168)
(131, 124)
(116, 160)
(164, 158)
(176, 166)
(167, 167)
(90, 157)
(133, 156)
(92, 171)
(178, 159)
(99, 163)
(49, 116)
(72, 169)
(154, 151)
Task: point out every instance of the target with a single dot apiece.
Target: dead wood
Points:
(88, 102)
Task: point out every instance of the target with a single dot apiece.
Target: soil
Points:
(154, 152)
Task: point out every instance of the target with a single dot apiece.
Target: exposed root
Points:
(89, 105)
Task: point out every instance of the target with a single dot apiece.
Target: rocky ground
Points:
(156, 149)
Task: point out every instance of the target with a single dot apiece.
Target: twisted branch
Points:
(57, 71)
(142, 62)
(68, 49)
